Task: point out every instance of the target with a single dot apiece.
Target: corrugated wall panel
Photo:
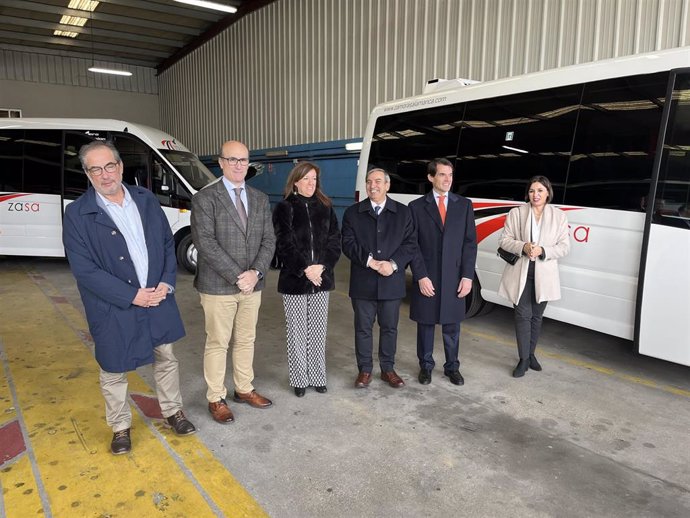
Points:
(60, 70)
(300, 71)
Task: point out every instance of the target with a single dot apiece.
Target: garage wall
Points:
(300, 71)
(44, 85)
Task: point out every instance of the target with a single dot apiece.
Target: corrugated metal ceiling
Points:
(153, 33)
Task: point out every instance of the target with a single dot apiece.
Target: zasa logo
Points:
(20, 206)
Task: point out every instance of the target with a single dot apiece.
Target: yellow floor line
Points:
(56, 383)
(19, 490)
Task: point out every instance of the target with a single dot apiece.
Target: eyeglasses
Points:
(110, 167)
(231, 160)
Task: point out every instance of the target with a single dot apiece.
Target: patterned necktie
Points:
(442, 207)
(377, 209)
(240, 207)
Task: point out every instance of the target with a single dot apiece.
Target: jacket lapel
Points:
(432, 210)
(226, 201)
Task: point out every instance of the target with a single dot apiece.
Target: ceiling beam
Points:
(86, 45)
(174, 8)
(40, 24)
(123, 20)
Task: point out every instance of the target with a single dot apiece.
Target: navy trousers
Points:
(387, 312)
(451, 346)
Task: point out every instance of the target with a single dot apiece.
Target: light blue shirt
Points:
(231, 191)
(128, 220)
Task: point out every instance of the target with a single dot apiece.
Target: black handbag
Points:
(508, 257)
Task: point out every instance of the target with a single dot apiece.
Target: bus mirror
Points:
(255, 169)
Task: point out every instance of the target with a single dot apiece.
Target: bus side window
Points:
(42, 161)
(75, 179)
(162, 182)
(136, 158)
(11, 162)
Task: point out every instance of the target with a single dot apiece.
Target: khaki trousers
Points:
(118, 415)
(230, 320)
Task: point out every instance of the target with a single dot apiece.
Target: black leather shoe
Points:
(180, 424)
(121, 442)
(533, 363)
(521, 368)
(321, 390)
(424, 376)
(300, 391)
(455, 377)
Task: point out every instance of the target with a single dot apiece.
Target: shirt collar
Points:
(105, 202)
(229, 185)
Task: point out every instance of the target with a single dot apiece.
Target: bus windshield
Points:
(190, 167)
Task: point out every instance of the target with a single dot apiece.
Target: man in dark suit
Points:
(442, 270)
(379, 239)
(122, 253)
(232, 230)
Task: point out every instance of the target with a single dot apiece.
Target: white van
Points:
(40, 174)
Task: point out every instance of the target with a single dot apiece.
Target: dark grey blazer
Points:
(224, 250)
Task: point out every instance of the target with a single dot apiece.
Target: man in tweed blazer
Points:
(232, 230)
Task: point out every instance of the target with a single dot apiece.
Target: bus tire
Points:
(475, 305)
(186, 253)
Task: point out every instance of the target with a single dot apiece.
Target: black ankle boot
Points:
(521, 368)
(299, 391)
(533, 363)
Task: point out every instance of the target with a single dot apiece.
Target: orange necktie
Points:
(442, 208)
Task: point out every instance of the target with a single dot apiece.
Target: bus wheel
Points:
(475, 305)
(186, 253)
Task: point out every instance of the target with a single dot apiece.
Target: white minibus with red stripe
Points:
(614, 139)
(40, 175)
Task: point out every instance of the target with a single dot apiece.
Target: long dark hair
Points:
(300, 171)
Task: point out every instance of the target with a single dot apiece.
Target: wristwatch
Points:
(259, 274)
(394, 265)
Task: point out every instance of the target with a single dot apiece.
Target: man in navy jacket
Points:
(122, 254)
(442, 270)
(379, 239)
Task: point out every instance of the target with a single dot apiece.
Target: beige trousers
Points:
(118, 415)
(230, 320)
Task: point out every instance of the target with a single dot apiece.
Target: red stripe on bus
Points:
(6, 197)
(487, 228)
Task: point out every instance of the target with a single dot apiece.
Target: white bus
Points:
(40, 175)
(614, 139)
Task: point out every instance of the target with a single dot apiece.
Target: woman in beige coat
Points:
(538, 233)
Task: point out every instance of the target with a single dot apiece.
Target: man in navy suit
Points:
(379, 239)
(442, 270)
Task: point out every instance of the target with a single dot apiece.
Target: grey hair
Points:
(377, 170)
(87, 148)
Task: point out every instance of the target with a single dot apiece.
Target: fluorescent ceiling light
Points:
(66, 34)
(353, 146)
(515, 149)
(110, 71)
(73, 20)
(210, 5)
(83, 5)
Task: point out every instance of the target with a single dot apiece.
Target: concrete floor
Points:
(600, 432)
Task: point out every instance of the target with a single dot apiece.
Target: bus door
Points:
(142, 167)
(663, 316)
(30, 189)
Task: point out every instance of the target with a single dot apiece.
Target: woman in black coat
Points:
(308, 246)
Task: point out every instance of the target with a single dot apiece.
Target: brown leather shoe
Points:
(220, 412)
(392, 379)
(363, 380)
(254, 399)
